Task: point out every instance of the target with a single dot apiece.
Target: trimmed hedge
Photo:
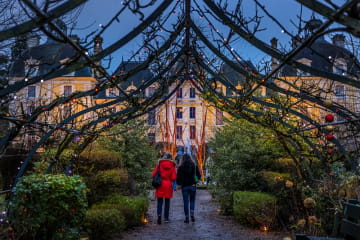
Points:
(254, 208)
(133, 208)
(104, 221)
(111, 217)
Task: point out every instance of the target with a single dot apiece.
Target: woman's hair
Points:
(186, 159)
(166, 155)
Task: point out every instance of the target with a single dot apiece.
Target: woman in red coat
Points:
(165, 191)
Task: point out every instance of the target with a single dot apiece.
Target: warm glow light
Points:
(264, 228)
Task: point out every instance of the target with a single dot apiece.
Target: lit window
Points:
(67, 90)
(112, 92)
(219, 117)
(152, 117)
(178, 132)
(192, 92)
(192, 112)
(192, 132)
(339, 91)
(31, 91)
(151, 91)
(179, 112)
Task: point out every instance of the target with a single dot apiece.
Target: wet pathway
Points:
(209, 224)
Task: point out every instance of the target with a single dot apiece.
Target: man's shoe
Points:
(166, 220)
(186, 220)
(192, 218)
(159, 220)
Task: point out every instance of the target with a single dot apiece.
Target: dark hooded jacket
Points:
(186, 173)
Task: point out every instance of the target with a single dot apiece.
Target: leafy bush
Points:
(254, 208)
(48, 206)
(107, 182)
(133, 208)
(138, 157)
(104, 221)
(274, 180)
(243, 150)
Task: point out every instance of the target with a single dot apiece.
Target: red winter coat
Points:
(168, 175)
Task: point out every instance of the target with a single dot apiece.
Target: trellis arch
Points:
(187, 40)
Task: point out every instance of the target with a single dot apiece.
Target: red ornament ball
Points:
(329, 118)
(330, 151)
(329, 137)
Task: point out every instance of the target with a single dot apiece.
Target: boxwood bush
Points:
(254, 208)
(104, 221)
(107, 182)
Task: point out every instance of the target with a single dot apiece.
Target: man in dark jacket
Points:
(187, 176)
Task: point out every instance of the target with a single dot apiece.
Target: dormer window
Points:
(306, 62)
(112, 92)
(31, 67)
(339, 66)
(179, 93)
(192, 92)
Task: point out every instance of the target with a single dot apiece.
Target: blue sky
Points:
(99, 12)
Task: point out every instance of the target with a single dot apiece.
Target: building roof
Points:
(135, 80)
(322, 55)
(47, 56)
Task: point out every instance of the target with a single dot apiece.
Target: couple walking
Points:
(185, 175)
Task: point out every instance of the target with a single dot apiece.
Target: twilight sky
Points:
(98, 12)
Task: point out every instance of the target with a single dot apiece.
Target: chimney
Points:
(32, 40)
(98, 44)
(339, 40)
(296, 41)
(97, 49)
(274, 61)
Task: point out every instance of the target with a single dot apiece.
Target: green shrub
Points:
(48, 206)
(104, 221)
(254, 208)
(99, 160)
(133, 208)
(107, 182)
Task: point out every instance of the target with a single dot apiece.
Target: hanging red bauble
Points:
(330, 151)
(329, 137)
(329, 118)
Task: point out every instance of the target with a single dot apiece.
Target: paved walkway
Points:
(209, 225)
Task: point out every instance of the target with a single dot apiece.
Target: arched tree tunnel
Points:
(192, 41)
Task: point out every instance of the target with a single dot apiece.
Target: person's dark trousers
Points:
(189, 193)
(167, 207)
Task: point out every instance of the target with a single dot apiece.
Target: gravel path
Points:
(209, 224)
